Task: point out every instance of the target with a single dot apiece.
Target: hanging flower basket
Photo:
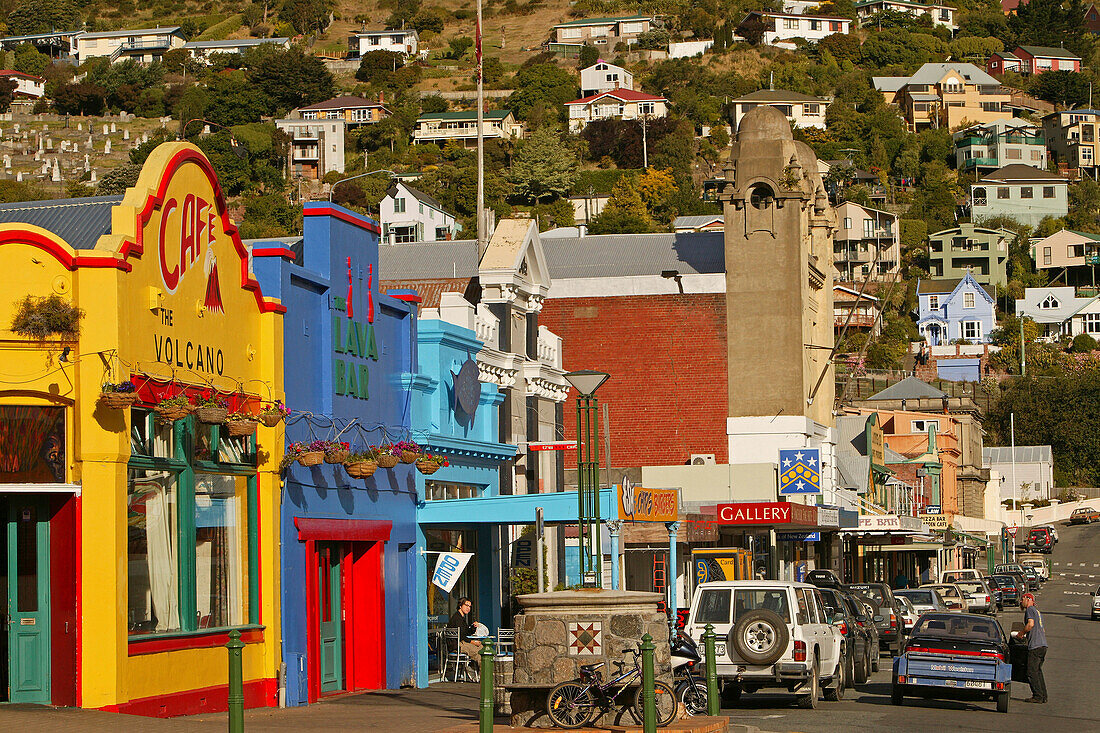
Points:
(359, 467)
(173, 408)
(386, 457)
(239, 426)
(118, 396)
(274, 415)
(407, 451)
(211, 414)
(336, 452)
(428, 464)
(311, 458)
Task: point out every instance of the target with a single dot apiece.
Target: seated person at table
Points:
(464, 622)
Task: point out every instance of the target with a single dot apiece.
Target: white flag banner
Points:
(448, 567)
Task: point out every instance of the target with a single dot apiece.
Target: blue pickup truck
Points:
(957, 656)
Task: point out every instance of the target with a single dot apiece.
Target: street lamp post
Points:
(586, 382)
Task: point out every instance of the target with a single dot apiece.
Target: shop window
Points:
(220, 550)
(152, 539)
(150, 437)
(439, 490)
(32, 444)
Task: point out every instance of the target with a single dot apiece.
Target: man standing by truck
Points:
(1036, 648)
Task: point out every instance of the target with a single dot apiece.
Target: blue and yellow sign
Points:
(800, 471)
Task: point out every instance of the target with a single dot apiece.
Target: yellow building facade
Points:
(134, 541)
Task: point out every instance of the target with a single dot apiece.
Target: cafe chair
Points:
(506, 642)
(456, 658)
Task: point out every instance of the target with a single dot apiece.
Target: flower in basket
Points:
(440, 461)
(237, 416)
(361, 464)
(212, 401)
(118, 396)
(174, 408)
(407, 451)
(272, 416)
(120, 388)
(291, 455)
(180, 400)
(429, 463)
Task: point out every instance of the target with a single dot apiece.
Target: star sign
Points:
(811, 462)
(801, 485)
(798, 455)
(786, 461)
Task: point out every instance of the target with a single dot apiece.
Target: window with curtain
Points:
(221, 550)
(152, 540)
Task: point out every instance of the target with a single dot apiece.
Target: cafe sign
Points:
(639, 504)
(935, 522)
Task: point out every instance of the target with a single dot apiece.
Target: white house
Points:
(1032, 465)
(145, 45)
(604, 77)
(801, 110)
(783, 28)
(940, 14)
(316, 146)
(1020, 192)
(26, 85)
(619, 104)
(404, 42)
(409, 215)
(1057, 311)
(439, 127)
(203, 50)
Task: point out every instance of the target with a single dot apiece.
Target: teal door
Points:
(27, 544)
(331, 617)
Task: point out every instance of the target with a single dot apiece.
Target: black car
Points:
(857, 648)
(888, 615)
(865, 609)
(1010, 589)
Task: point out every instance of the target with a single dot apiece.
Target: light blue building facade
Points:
(950, 310)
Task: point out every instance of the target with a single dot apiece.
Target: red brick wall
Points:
(666, 355)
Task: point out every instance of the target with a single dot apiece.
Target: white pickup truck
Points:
(770, 634)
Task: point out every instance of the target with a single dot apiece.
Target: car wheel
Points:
(895, 695)
(874, 659)
(835, 692)
(810, 699)
(731, 694)
(759, 637)
(1002, 702)
(863, 669)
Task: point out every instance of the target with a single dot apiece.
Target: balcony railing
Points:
(974, 162)
(486, 326)
(859, 320)
(549, 348)
(1026, 139)
(467, 131)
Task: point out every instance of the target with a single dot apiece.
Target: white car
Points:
(1096, 605)
(954, 576)
(771, 634)
(909, 612)
(1038, 564)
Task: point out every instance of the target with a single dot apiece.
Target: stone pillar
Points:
(673, 576)
(614, 526)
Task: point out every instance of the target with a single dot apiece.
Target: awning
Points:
(557, 508)
(73, 489)
(347, 530)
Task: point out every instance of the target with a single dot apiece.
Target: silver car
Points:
(925, 600)
(979, 596)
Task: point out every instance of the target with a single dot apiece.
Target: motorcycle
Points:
(690, 688)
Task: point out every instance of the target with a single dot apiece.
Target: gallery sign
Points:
(768, 513)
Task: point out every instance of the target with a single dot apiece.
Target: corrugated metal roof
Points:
(691, 222)
(1024, 454)
(428, 260)
(778, 95)
(234, 43)
(632, 255)
(908, 389)
(933, 73)
(80, 222)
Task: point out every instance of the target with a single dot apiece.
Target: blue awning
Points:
(516, 509)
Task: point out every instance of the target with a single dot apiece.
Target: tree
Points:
(547, 84)
(1050, 23)
(430, 19)
(291, 78)
(544, 166)
(1083, 344)
(752, 29)
(43, 16)
(458, 46)
(625, 212)
(117, 180)
(969, 48)
(7, 91)
(1066, 88)
(29, 59)
(83, 98)
(307, 16)
(589, 55)
(653, 40)
(1084, 205)
(843, 47)
(386, 70)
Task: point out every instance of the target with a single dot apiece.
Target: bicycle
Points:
(577, 702)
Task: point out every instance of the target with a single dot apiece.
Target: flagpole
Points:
(481, 245)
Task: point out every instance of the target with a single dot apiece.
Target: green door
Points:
(27, 539)
(332, 618)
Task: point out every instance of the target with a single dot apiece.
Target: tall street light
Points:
(586, 382)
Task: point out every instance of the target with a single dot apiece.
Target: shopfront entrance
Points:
(331, 629)
(25, 593)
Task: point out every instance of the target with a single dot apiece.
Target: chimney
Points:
(382, 98)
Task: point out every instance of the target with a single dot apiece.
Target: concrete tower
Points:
(779, 295)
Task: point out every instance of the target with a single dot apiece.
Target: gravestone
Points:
(87, 162)
(107, 148)
(92, 178)
(55, 175)
(560, 631)
(106, 129)
(80, 127)
(88, 143)
(19, 176)
(126, 134)
(113, 129)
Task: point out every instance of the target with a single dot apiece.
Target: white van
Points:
(771, 634)
(953, 576)
(1036, 562)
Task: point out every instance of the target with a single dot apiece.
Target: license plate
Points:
(978, 685)
(719, 648)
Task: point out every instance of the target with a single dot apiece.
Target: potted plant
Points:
(211, 410)
(408, 451)
(41, 317)
(272, 416)
(118, 396)
(241, 423)
(362, 464)
(428, 463)
(388, 455)
(306, 454)
(335, 451)
(175, 408)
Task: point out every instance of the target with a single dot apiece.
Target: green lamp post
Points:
(586, 382)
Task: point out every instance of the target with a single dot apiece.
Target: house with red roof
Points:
(1033, 60)
(617, 104)
(27, 86)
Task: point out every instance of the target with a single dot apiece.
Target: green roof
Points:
(601, 21)
(1093, 237)
(862, 3)
(494, 114)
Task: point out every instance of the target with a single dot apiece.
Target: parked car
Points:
(1084, 515)
(1008, 568)
(1039, 539)
(1038, 564)
(773, 634)
(1096, 604)
(888, 615)
(956, 656)
(925, 600)
(952, 595)
(979, 597)
(857, 648)
(1010, 587)
(1031, 578)
(909, 613)
(865, 619)
(954, 576)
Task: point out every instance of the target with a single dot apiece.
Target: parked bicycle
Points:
(576, 703)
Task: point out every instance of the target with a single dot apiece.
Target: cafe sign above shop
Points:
(639, 504)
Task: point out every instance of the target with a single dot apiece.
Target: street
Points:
(1072, 666)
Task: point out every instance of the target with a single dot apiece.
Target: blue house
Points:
(955, 309)
(349, 546)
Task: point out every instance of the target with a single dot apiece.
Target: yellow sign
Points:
(935, 522)
(648, 505)
(193, 307)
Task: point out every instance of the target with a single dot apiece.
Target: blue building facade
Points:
(955, 309)
(349, 546)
